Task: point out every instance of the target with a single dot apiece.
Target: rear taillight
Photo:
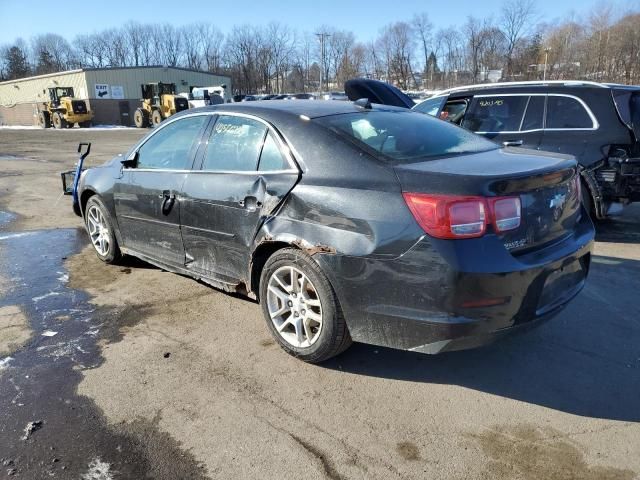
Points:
(506, 213)
(453, 216)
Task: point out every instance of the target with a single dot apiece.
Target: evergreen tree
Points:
(17, 64)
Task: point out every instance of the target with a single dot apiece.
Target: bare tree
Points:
(423, 28)
(515, 21)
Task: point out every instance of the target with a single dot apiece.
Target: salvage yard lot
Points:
(151, 373)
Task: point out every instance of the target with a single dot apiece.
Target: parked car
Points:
(348, 221)
(304, 96)
(335, 96)
(597, 123)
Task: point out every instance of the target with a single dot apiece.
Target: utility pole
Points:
(546, 57)
(322, 36)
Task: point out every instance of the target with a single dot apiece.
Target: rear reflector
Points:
(455, 216)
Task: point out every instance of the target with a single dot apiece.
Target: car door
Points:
(568, 124)
(512, 119)
(147, 196)
(245, 172)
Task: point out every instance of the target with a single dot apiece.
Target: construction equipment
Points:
(159, 101)
(63, 110)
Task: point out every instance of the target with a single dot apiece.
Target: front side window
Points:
(234, 144)
(404, 137)
(494, 114)
(566, 113)
(430, 106)
(454, 111)
(169, 148)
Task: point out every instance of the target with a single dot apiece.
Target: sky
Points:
(26, 18)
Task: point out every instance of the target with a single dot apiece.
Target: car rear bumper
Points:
(451, 295)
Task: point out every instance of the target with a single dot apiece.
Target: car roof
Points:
(556, 86)
(294, 108)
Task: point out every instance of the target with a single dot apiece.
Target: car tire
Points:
(156, 118)
(100, 229)
(306, 320)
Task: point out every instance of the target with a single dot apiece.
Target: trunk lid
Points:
(546, 184)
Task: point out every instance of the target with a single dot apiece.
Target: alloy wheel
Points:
(294, 307)
(98, 230)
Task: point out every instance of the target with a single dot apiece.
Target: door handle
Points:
(512, 143)
(250, 203)
(169, 199)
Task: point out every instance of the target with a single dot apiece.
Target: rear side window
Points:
(496, 114)
(234, 144)
(405, 136)
(271, 158)
(566, 112)
(534, 115)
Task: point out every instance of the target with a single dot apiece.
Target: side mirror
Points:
(130, 161)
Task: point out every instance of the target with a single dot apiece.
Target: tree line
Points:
(513, 44)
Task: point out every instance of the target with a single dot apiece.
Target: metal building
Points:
(113, 93)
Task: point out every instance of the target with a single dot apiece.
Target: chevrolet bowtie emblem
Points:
(557, 201)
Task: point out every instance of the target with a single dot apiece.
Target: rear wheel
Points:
(100, 229)
(44, 120)
(156, 117)
(300, 307)
(59, 121)
(141, 118)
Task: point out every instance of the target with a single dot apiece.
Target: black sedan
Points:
(348, 221)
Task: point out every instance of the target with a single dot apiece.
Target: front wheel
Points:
(156, 118)
(58, 121)
(100, 229)
(141, 118)
(300, 307)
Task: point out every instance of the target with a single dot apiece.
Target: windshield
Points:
(405, 136)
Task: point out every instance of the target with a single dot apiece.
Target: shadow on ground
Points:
(585, 362)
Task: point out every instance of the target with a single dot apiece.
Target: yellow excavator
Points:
(159, 101)
(63, 110)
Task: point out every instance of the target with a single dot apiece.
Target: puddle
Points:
(6, 218)
(38, 382)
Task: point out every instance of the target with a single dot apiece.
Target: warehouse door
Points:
(125, 120)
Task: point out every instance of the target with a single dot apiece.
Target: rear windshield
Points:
(405, 137)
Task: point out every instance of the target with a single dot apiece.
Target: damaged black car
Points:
(348, 222)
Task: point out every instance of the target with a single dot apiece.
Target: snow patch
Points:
(4, 363)
(46, 295)
(98, 470)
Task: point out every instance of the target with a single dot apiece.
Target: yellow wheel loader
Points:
(63, 110)
(159, 101)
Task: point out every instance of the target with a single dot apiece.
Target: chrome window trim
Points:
(594, 120)
(230, 172)
(284, 148)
